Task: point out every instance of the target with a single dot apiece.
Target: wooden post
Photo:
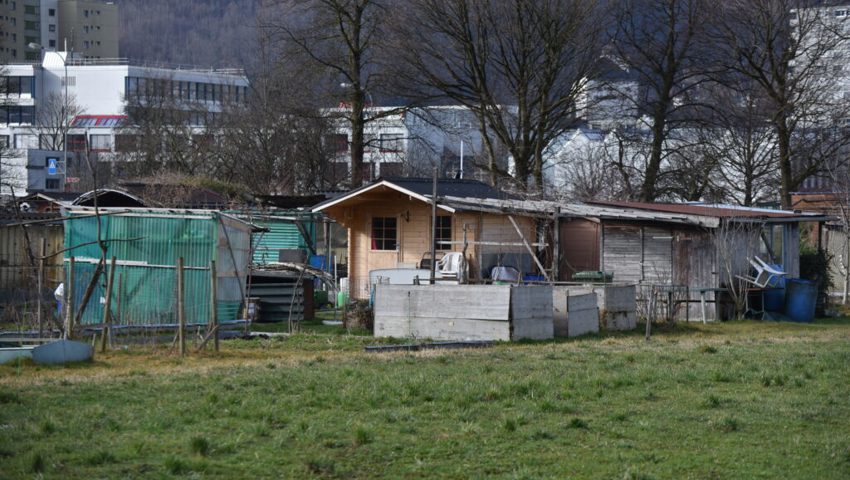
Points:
(556, 249)
(213, 324)
(41, 253)
(106, 305)
(528, 247)
(118, 298)
(434, 228)
(181, 319)
(69, 300)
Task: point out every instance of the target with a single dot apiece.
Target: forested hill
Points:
(219, 33)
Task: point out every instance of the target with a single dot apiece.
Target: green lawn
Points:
(732, 400)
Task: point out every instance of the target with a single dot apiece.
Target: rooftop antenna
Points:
(461, 159)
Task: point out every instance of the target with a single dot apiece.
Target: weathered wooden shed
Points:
(668, 246)
(21, 237)
(389, 226)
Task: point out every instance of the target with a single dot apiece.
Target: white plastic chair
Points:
(451, 265)
(764, 273)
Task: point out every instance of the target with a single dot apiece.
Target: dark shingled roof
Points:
(447, 187)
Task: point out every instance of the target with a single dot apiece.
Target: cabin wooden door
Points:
(579, 248)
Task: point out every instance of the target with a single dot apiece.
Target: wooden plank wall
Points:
(695, 265)
(579, 247)
(16, 272)
(621, 252)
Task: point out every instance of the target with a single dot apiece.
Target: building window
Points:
(23, 141)
(77, 143)
(100, 142)
(4, 141)
(51, 12)
(51, 184)
(51, 27)
(384, 233)
(443, 233)
(391, 142)
(126, 143)
(52, 43)
(337, 143)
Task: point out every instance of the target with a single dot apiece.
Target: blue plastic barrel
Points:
(318, 261)
(774, 299)
(800, 299)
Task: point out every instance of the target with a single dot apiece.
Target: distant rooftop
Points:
(55, 58)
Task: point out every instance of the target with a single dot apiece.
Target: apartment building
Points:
(89, 27)
(102, 90)
(411, 142)
(86, 27)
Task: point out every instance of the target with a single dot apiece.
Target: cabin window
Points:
(443, 233)
(384, 233)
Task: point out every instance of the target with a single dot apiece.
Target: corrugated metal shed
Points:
(147, 244)
(281, 232)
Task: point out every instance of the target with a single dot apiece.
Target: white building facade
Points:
(411, 142)
(100, 90)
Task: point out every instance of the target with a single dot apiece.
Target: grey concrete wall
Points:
(531, 312)
(574, 311)
(463, 312)
(617, 306)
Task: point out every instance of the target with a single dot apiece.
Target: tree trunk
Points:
(357, 122)
(784, 142)
(649, 192)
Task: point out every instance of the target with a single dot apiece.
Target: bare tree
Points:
(53, 120)
(663, 43)
(838, 174)
(518, 65)
(736, 243)
(788, 53)
(344, 39)
(741, 143)
(166, 133)
(274, 148)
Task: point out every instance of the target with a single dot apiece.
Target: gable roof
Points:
(421, 189)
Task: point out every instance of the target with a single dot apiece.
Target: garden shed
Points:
(389, 228)
(147, 244)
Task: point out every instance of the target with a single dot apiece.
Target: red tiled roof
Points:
(98, 120)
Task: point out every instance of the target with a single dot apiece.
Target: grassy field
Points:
(732, 400)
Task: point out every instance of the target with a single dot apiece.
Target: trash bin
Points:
(800, 299)
(594, 276)
(774, 298)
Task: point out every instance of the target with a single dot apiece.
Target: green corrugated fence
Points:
(146, 244)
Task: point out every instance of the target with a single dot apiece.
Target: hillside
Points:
(218, 33)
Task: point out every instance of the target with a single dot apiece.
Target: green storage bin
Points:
(594, 276)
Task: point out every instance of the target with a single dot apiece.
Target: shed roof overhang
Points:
(549, 209)
(77, 211)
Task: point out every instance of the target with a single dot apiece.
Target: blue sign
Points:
(51, 166)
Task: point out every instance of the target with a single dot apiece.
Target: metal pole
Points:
(461, 159)
(181, 319)
(65, 129)
(434, 228)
